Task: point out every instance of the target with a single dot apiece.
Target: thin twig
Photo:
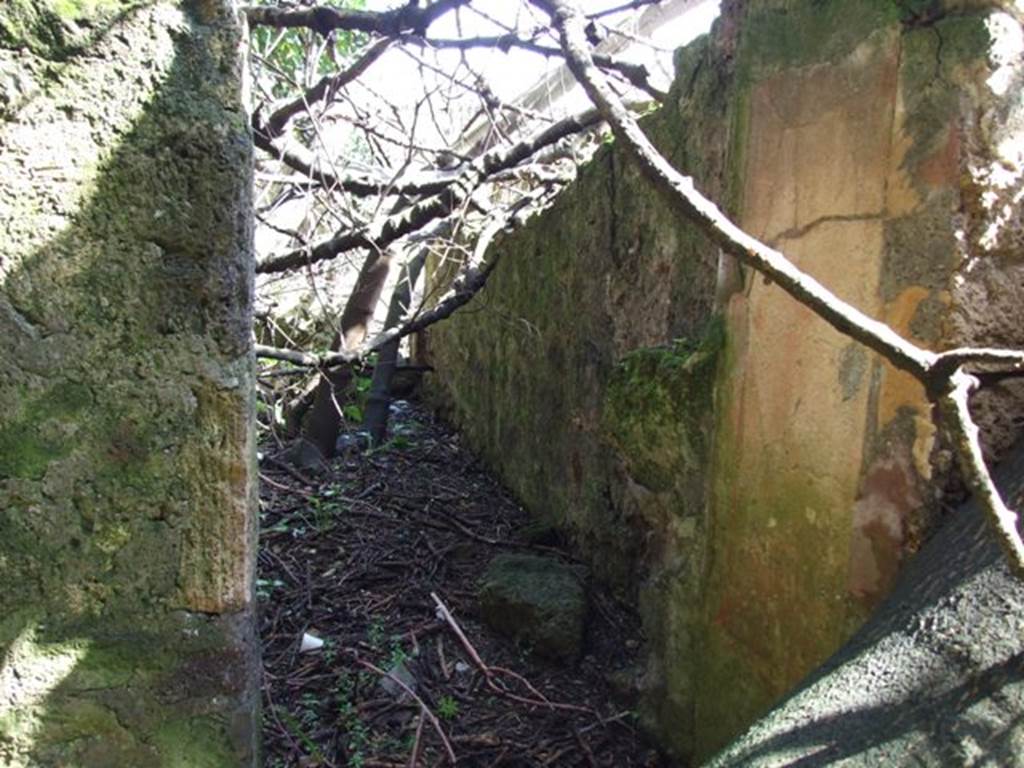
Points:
(423, 706)
(414, 756)
(490, 672)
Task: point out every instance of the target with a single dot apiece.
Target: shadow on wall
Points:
(125, 438)
(936, 677)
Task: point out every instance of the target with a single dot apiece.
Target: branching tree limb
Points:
(456, 193)
(467, 284)
(636, 74)
(943, 376)
(406, 19)
(304, 162)
(274, 126)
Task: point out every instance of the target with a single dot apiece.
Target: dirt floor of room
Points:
(379, 559)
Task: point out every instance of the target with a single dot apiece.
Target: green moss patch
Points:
(54, 29)
(655, 406)
(538, 601)
(38, 431)
(787, 34)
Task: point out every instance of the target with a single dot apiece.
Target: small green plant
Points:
(323, 513)
(357, 735)
(400, 441)
(330, 652)
(344, 688)
(375, 633)
(300, 735)
(398, 655)
(265, 587)
(308, 714)
(280, 527)
(397, 442)
(447, 708)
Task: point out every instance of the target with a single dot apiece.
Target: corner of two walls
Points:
(881, 158)
(753, 480)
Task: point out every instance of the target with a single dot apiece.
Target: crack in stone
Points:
(795, 233)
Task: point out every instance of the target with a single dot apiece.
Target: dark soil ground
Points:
(353, 557)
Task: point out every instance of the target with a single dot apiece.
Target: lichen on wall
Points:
(605, 290)
(758, 505)
(854, 165)
(126, 446)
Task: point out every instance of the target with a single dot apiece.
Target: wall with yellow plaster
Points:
(854, 166)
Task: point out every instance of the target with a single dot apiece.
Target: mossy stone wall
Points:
(752, 479)
(126, 447)
(585, 377)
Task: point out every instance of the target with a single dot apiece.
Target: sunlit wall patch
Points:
(30, 671)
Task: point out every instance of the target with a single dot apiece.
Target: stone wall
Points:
(127, 525)
(751, 478)
(571, 383)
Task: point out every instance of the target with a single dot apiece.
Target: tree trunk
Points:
(324, 421)
(378, 407)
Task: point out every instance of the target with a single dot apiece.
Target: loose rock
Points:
(537, 601)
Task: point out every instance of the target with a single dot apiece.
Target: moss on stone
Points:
(655, 405)
(787, 34)
(40, 429)
(54, 29)
(194, 743)
(934, 63)
(27, 24)
(538, 601)
(80, 9)
(124, 302)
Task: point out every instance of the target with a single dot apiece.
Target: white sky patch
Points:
(1006, 52)
(1003, 176)
(510, 74)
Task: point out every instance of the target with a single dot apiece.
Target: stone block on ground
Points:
(537, 601)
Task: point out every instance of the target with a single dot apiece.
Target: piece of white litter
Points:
(310, 643)
(461, 667)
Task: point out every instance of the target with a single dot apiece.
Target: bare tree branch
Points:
(942, 375)
(466, 285)
(636, 74)
(387, 231)
(955, 416)
(408, 18)
(274, 125)
(303, 161)
(630, 6)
